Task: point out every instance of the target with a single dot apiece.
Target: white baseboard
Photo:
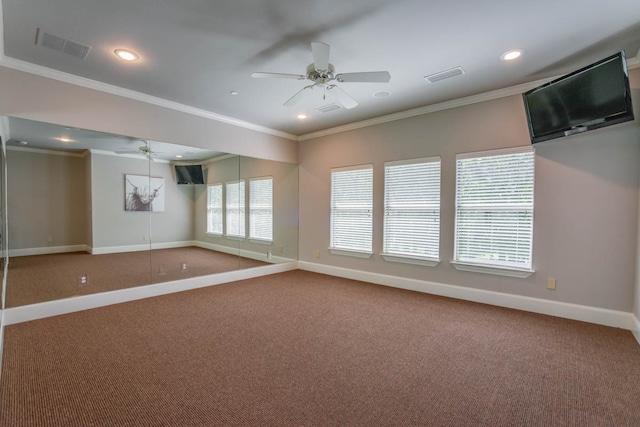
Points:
(47, 250)
(600, 316)
(636, 328)
(30, 312)
(137, 248)
(260, 256)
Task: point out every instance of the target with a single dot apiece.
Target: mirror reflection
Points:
(91, 212)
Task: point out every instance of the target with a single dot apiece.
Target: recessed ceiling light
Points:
(381, 94)
(127, 55)
(178, 156)
(511, 55)
(301, 116)
(234, 92)
(64, 139)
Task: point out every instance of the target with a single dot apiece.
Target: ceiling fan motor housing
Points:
(320, 76)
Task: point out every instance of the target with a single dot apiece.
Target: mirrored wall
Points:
(90, 212)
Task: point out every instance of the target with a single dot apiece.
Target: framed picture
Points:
(143, 194)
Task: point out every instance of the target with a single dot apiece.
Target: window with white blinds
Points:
(352, 209)
(235, 212)
(412, 208)
(261, 208)
(214, 209)
(494, 208)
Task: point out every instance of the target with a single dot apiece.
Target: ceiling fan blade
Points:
(342, 97)
(278, 76)
(369, 76)
(320, 55)
(127, 152)
(298, 95)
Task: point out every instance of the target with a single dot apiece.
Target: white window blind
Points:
(235, 209)
(261, 208)
(412, 208)
(494, 208)
(214, 209)
(352, 208)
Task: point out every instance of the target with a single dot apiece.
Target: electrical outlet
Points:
(183, 266)
(268, 255)
(145, 237)
(318, 254)
(162, 270)
(84, 280)
(551, 283)
(281, 248)
(50, 239)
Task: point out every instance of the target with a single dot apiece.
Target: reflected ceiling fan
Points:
(322, 74)
(143, 150)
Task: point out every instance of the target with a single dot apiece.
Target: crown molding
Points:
(46, 151)
(50, 73)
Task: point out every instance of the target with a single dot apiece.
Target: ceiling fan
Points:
(143, 150)
(322, 74)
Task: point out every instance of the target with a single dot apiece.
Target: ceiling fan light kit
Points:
(322, 73)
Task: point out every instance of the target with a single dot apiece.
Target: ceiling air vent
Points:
(328, 107)
(442, 75)
(62, 45)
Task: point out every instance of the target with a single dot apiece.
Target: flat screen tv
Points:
(590, 98)
(189, 174)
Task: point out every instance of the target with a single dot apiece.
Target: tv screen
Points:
(189, 174)
(590, 98)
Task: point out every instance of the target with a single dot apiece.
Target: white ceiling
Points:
(195, 52)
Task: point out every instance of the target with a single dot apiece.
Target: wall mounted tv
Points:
(590, 98)
(189, 174)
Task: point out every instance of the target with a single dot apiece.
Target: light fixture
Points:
(381, 94)
(64, 139)
(234, 92)
(178, 156)
(127, 55)
(301, 116)
(511, 55)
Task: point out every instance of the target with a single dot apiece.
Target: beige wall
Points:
(46, 199)
(586, 199)
(33, 97)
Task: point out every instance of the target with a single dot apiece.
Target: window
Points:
(494, 209)
(412, 211)
(352, 210)
(214, 209)
(261, 209)
(235, 209)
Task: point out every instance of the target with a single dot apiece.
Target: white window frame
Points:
(259, 212)
(232, 187)
(217, 211)
(410, 216)
(357, 202)
(492, 265)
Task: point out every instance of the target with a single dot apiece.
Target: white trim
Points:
(265, 242)
(520, 273)
(496, 152)
(345, 252)
(69, 305)
(137, 248)
(406, 259)
(44, 151)
(405, 162)
(260, 256)
(61, 76)
(600, 316)
(635, 328)
(48, 250)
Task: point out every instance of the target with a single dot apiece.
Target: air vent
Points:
(62, 45)
(328, 107)
(442, 75)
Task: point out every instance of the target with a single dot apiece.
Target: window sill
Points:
(261, 241)
(520, 273)
(239, 238)
(346, 252)
(218, 235)
(429, 262)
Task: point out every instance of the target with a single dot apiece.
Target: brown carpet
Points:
(303, 349)
(40, 278)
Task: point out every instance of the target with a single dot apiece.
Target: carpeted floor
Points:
(304, 349)
(40, 278)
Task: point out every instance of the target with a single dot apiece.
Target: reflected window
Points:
(261, 208)
(214, 209)
(235, 209)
